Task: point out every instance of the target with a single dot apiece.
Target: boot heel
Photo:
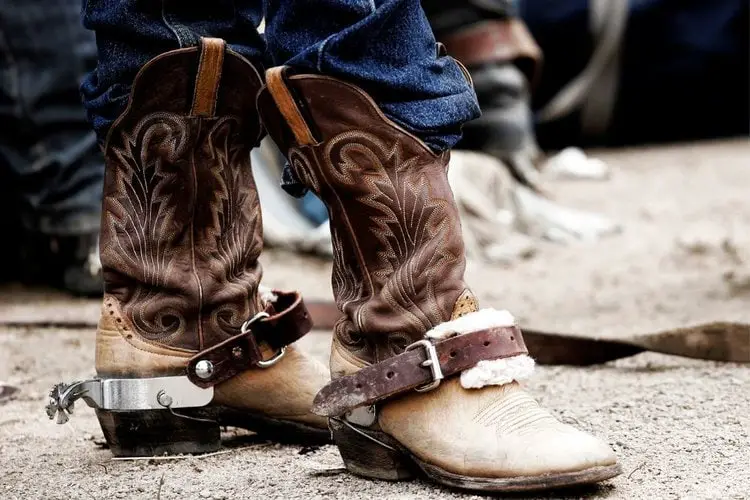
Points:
(151, 433)
(366, 457)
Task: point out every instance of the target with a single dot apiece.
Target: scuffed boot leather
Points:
(398, 279)
(180, 239)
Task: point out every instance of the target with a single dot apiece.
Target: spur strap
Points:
(284, 321)
(420, 367)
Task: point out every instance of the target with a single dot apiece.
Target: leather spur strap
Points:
(414, 369)
(286, 321)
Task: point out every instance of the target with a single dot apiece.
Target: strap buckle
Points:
(432, 362)
(246, 328)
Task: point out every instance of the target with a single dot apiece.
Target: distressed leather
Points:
(497, 431)
(284, 391)
(411, 369)
(398, 254)
(181, 231)
(398, 272)
(287, 322)
(181, 226)
(121, 352)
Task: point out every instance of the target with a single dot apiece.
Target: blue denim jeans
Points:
(385, 46)
(51, 169)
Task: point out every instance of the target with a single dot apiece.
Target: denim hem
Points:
(443, 138)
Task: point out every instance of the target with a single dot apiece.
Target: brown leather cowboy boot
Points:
(422, 378)
(186, 341)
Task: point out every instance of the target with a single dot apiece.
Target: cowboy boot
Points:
(186, 342)
(422, 379)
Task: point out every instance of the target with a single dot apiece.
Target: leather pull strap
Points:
(287, 107)
(208, 77)
(415, 369)
(286, 322)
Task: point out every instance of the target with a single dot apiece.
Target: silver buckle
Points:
(127, 394)
(432, 362)
(270, 362)
(246, 329)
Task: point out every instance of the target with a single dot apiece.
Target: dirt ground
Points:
(681, 427)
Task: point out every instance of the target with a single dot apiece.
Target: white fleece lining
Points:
(267, 295)
(487, 372)
(497, 372)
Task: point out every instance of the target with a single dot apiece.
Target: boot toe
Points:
(495, 432)
(557, 450)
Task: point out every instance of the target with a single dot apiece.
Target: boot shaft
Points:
(398, 252)
(181, 225)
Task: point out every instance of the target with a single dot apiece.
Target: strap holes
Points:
(389, 375)
(486, 343)
(453, 354)
(358, 386)
(512, 338)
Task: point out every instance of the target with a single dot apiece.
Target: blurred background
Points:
(551, 77)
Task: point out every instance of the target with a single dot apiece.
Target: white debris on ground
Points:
(538, 215)
(503, 220)
(573, 163)
(482, 187)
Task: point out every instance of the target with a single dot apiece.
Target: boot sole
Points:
(152, 433)
(375, 455)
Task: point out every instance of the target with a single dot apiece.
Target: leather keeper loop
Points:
(285, 321)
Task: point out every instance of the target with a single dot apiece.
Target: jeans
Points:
(51, 169)
(384, 46)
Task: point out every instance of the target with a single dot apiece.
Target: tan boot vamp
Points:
(285, 390)
(497, 431)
